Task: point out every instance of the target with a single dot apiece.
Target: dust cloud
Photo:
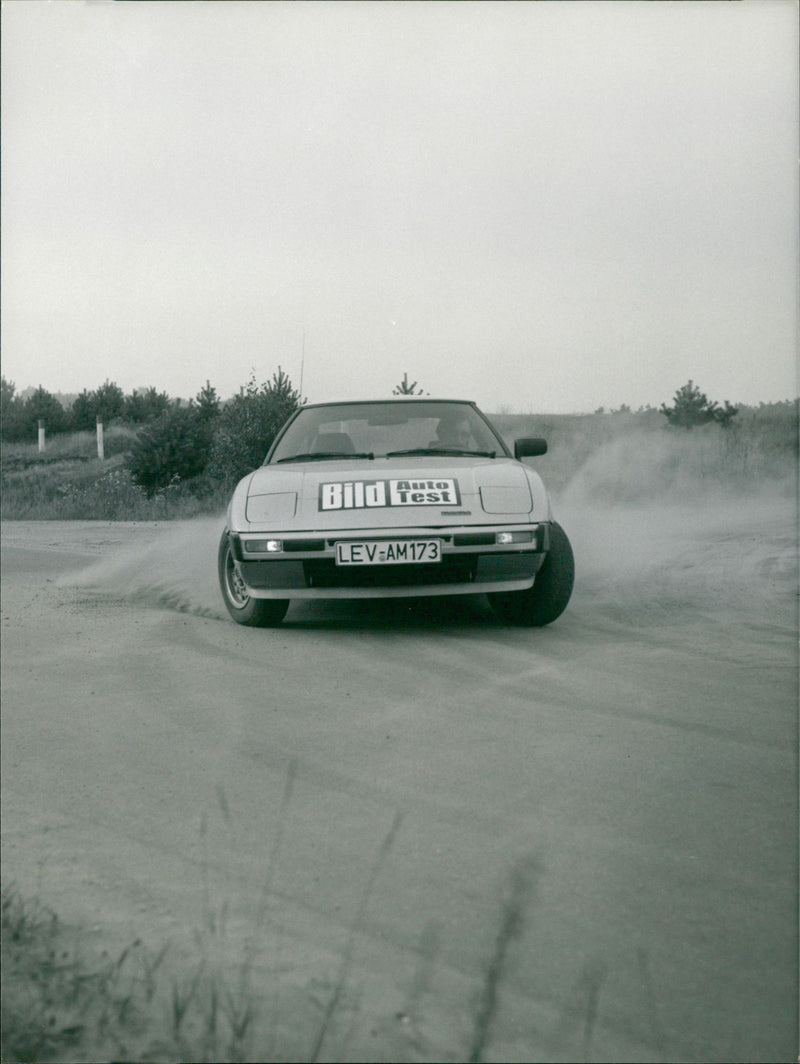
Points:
(169, 565)
(665, 527)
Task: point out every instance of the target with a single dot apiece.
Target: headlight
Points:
(263, 546)
(528, 536)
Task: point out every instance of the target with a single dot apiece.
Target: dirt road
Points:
(597, 821)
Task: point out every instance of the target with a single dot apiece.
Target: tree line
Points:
(19, 418)
(202, 441)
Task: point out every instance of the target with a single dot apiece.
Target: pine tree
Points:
(247, 425)
(109, 402)
(41, 405)
(692, 407)
(404, 388)
(207, 402)
(12, 411)
(144, 405)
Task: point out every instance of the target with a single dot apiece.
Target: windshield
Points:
(381, 430)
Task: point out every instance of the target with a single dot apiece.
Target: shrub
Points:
(174, 448)
(113, 496)
(246, 427)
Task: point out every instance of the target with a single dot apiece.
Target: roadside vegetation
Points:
(166, 459)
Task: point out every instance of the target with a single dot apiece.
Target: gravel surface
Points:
(573, 843)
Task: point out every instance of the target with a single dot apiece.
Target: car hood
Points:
(387, 493)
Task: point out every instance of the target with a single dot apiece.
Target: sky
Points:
(540, 206)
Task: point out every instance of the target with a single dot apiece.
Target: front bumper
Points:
(472, 563)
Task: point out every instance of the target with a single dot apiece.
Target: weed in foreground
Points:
(520, 890)
(347, 956)
(59, 1004)
(54, 1001)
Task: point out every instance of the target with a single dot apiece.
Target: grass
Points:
(117, 439)
(53, 997)
(64, 1002)
(73, 486)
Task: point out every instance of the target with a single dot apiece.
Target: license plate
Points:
(389, 552)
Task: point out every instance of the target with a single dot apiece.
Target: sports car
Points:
(394, 498)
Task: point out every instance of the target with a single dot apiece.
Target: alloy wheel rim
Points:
(236, 588)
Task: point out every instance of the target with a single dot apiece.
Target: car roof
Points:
(394, 401)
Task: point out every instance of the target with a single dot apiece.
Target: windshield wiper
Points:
(323, 456)
(441, 451)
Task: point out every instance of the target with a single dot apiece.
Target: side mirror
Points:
(529, 446)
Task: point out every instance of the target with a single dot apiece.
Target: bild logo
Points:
(361, 494)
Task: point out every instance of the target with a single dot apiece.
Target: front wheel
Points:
(551, 591)
(253, 612)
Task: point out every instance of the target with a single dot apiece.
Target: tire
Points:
(551, 591)
(253, 612)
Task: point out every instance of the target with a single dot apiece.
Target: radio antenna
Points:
(302, 363)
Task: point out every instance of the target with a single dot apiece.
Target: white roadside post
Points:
(100, 449)
(41, 434)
